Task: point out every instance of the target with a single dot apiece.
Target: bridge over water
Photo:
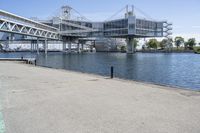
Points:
(68, 30)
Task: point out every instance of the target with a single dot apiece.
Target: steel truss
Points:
(19, 28)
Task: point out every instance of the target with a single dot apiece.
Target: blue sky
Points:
(184, 14)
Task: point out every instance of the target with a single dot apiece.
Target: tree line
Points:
(168, 43)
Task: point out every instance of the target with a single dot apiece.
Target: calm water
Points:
(182, 70)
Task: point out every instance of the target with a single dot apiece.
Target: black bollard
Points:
(35, 62)
(111, 72)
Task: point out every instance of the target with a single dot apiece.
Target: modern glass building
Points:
(65, 28)
(129, 26)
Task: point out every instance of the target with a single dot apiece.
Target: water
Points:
(180, 70)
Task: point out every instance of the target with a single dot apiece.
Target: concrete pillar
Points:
(64, 45)
(130, 45)
(46, 46)
(31, 46)
(34, 46)
(35, 43)
(69, 47)
(82, 47)
(78, 47)
(38, 51)
(43, 45)
(91, 48)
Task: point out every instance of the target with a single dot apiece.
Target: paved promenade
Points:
(42, 100)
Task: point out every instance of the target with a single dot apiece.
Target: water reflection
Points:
(169, 69)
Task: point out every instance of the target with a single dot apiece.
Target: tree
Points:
(135, 43)
(170, 43)
(123, 48)
(185, 45)
(163, 43)
(179, 41)
(190, 43)
(152, 43)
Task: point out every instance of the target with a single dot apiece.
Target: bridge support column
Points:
(70, 47)
(46, 46)
(82, 47)
(64, 46)
(91, 48)
(31, 46)
(35, 43)
(130, 45)
(78, 48)
(38, 51)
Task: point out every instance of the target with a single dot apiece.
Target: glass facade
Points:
(125, 27)
(149, 28)
(81, 23)
(116, 28)
(74, 25)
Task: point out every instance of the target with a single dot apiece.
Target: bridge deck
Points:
(19, 25)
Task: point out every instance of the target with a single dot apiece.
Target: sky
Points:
(184, 14)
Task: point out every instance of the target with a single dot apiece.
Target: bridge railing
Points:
(18, 28)
(22, 20)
